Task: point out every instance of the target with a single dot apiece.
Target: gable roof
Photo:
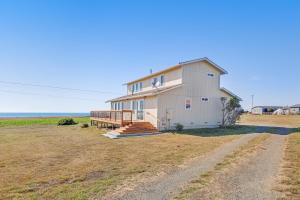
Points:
(145, 94)
(180, 64)
(223, 71)
(230, 93)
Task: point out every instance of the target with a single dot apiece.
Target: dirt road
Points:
(168, 185)
(252, 179)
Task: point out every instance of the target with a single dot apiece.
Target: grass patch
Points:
(290, 184)
(207, 178)
(213, 132)
(38, 121)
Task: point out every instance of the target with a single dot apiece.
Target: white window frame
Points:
(112, 106)
(162, 77)
(136, 87)
(185, 104)
(153, 82)
(141, 104)
(159, 79)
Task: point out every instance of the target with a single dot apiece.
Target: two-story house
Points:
(188, 93)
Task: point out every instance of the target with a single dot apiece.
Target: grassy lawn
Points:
(50, 162)
(38, 121)
(290, 184)
(208, 132)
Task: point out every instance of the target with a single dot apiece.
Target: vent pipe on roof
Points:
(150, 71)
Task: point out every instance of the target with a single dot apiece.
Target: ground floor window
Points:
(188, 104)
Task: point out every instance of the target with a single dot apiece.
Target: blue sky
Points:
(99, 45)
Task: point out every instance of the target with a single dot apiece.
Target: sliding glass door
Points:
(138, 109)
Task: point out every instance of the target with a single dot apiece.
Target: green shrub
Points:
(84, 125)
(179, 127)
(66, 121)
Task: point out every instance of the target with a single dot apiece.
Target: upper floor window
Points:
(162, 80)
(136, 87)
(158, 81)
(154, 82)
(141, 86)
(210, 75)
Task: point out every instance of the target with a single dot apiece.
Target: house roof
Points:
(180, 64)
(230, 93)
(296, 106)
(159, 91)
(146, 93)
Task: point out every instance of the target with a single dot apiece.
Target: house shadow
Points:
(238, 130)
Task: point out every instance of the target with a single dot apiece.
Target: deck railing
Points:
(122, 117)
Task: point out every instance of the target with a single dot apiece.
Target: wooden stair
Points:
(137, 127)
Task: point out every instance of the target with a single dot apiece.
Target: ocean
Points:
(14, 115)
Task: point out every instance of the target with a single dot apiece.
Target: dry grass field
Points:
(290, 183)
(50, 162)
(289, 121)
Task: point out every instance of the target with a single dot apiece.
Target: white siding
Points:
(257, 111)
(173, 77)
(151, 110)
(196, 84)
(295, 110)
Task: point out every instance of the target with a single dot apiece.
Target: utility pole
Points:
(252, 96)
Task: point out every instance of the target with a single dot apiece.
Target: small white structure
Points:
(295, 109)
(264, 110)
(279, 112)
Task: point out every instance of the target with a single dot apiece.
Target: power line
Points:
(56, 87)
(46, 95)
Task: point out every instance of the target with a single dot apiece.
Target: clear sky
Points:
(99, 45)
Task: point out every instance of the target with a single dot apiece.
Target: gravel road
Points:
(168, 185)
(253, 178)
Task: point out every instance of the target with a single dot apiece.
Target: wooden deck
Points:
(122, 120)
(113, 118)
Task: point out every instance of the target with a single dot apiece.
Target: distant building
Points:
(295, 109)
(264, 110)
